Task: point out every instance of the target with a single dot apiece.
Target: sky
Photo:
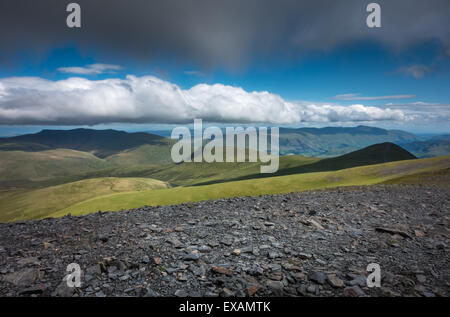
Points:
(144, 65)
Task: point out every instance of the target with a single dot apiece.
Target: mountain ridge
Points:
(102, 143)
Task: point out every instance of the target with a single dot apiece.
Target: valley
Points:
(54, 173)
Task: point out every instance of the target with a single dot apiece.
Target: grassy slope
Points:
(145, 154)
(181, 174)
(23, 204)
(365, 175)
(40, 169)
(437, 177)
(20, 165)
(374, 154)
(192, 173)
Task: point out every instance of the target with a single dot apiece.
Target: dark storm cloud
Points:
(226, 33)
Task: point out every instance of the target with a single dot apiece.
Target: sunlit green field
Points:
(365, 175)
(32, 204)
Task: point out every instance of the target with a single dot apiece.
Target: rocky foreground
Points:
(300, 244)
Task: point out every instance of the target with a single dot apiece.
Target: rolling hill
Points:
(22, 204)
(363, 175)
(374, 154)
(187, 174)
(59, 193)
(93, 170)
(143, 155)
(136, 163)
(19, 166)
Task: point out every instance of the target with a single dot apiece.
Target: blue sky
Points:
(316, 74)
(362, 68)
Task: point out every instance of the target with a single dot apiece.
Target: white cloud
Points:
(148, 99)
(349, 97)
(427, 113)
(416, 71)
(93, 69)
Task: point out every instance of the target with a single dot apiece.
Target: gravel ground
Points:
(315, 243)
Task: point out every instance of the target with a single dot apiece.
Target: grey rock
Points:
(23, 278)
(318, 277)
(353, 291)
(191, 257)
(63, 290)
(180, 293)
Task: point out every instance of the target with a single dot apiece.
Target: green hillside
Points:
(193, 173)
(175, 174)
(374, 154)
(434, 177)
(35, 166)
(134, 163)
(364, 175)
(208, 173)
(22, 204)
(143, 155)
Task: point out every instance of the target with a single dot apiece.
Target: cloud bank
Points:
(93, 69)
(148, 99)
(349, 97)
(220, 33)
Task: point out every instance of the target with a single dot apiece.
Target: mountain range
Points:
(54, 171)
(102, 143)
(140, 148)
(333, 141)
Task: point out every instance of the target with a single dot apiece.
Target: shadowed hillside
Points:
(363, 175)
(374, 154)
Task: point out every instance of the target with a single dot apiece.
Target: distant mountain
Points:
(101, 143)
(125, 148)
(333, 141)
(371, 155)
(440, 137)
(436, 146)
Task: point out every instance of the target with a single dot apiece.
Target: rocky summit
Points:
(300, 244)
